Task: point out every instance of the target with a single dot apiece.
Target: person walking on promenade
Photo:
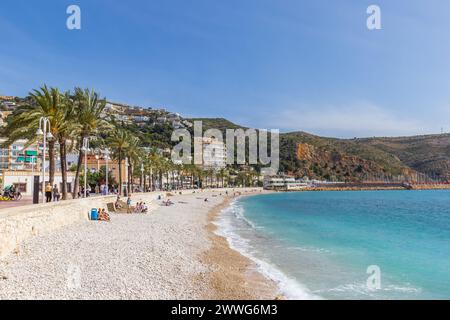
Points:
(48, 192)
(56, 194)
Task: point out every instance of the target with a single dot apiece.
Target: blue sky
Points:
(294, 65)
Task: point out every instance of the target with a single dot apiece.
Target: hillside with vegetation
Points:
(429, 154)
(301, 154)
(418, 157)
(398, 158)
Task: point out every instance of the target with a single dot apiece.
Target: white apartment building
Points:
(214, 154)
(19, 156)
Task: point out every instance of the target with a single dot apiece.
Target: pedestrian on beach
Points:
(129, 204)
(56, 194)
(118, 204)
(48, 192)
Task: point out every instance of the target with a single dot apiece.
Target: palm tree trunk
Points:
(173, 181)
(167, 179)
(76, 183)
(52, 162)
(62, 153)
(130, 177)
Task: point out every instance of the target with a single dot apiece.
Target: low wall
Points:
(20, 223)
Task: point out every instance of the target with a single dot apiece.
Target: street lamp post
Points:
(98, 162)
(85, 149)
(106, 152)
(33, 159)
(44, 130)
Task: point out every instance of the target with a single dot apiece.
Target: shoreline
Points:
(343, 189)
(234, 276)
(170, 253)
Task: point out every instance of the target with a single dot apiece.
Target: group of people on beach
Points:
(103, 215)
(141, 207)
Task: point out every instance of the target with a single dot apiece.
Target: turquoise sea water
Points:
(320, 244)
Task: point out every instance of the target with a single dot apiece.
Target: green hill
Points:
(303, 154)
(216, 123)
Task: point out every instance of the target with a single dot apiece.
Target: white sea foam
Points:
(309, 249)
(290, 288)
(361, 289)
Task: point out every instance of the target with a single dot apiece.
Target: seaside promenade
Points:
(159, 255)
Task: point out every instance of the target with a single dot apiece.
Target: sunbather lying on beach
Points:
(168, 203)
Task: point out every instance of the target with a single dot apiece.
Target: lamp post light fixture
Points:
(44, 131)
(85, 149)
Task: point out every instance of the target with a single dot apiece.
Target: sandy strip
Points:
(170, 253)
(234, 276)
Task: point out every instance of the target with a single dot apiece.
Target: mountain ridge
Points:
(418, 158)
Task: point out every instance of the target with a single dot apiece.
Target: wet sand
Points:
(233, 276)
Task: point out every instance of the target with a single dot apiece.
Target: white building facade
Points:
(214, 154)
(24, 180)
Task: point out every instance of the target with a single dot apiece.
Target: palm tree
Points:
(64, 127)
(221, 175)
(134, 154)
(88, 107)
(45, 102)
(118, 142)
(154, 166)
(190, 170)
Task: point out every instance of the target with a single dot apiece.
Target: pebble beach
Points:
(171, 252)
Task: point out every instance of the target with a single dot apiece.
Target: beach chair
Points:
(111, 207)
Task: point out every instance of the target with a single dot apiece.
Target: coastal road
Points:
(11, 204)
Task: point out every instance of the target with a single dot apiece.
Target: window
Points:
(22, 187)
